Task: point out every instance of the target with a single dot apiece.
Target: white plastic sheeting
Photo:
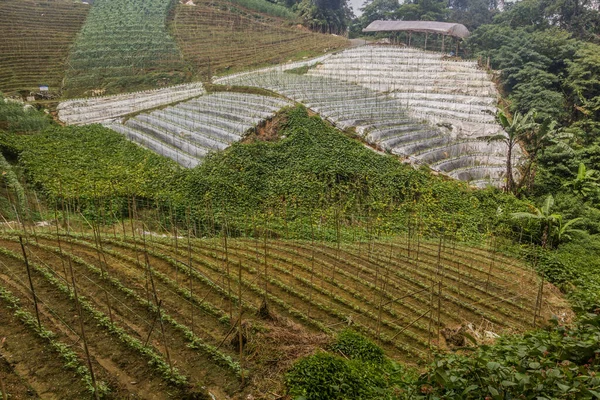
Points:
(99, 109)
(433, 87)
(387, 122)
(188, 131)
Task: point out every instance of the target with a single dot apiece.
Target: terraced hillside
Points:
(36, 36)
(96, 109)
(385, 122)
(158, 313)
(190, 130)
(124, 44)
(218, 37)
(431, 85)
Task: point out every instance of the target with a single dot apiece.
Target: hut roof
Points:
(444, 28)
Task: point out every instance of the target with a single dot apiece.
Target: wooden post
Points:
(240, 311)
(426, 37)
(443, 39)
(3, 388)
(266, 287)
(37, 311)
(81, 326)
(189, 248)
(430, 316)
(487, 282)
(158, 302)
(224, 230)
(312, 266)
(60, 250)
(439, 309)
(152, 326)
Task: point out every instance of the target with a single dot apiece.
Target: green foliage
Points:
(578, 264)
(267, 7)
(562, 362)
(16, 118)
(554, 228)
(584, 80)
(124, 44)
(356, 346)
(92, 161)
(318, 176)
(325, 16)
(531, 63)
(324, 376)
(12, 182)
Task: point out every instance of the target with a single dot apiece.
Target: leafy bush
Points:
(559, 363)
(15, 118)
(316, 173)
(356, 346)
(324, 376)
(125, 45)
(91, 162)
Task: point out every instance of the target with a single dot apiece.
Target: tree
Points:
(552, 224)
(514, 129)
(585, 183)
(534, 142)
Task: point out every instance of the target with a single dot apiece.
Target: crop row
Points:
(27, 61)
(106, 340)
(128, 37)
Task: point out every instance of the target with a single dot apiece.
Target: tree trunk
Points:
(509, 174)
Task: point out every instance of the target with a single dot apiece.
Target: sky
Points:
(356, 5)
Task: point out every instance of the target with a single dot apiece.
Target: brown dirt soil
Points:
(37, 371)
(484, 294)
(268, 131)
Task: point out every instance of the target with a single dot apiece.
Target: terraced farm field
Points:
(217, 38)
(385, 122)
(36, 36)
(160, 313)
(124, 45)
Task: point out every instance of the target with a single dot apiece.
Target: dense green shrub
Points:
(16, 118)
(91, 162)
(356, 346)
(560, 363)
(316, 173)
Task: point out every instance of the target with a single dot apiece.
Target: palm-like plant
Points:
(534, 141)
(552, 224)
(562, 231)
(515, 128)
(585, 183)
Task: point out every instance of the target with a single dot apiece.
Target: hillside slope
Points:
(220, 37)
(36, 36)
(124, 43)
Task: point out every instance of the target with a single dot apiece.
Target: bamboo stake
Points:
(439, 309)
(189, 248)
(35, 303)
(266, 288)
(3, 388)
(62, 260)
(430, 315)
(152, 326)
(83, 336)
(240, 311)
(487, 282)
(312, 266)
(157, 301)
(109, 307)
(227, 268)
